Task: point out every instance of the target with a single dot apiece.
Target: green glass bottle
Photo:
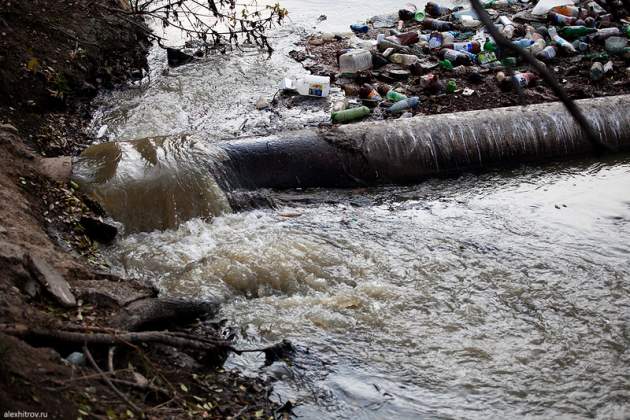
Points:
(573, 32)
(349, 115)
(394, 96)
(446, 64)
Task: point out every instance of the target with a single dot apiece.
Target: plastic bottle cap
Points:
(419, 16)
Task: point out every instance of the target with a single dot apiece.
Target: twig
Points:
(110, 360)
(131, 405)
(147, 387)
(547, 76)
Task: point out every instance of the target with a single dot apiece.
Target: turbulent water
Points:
(483, 296)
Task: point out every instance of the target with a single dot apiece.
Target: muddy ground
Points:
(54, 57)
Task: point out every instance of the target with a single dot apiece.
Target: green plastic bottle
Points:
(451, 86)
(446, 64)
(419, 16)
(349, 115)
(490, 46)
(394, 96)
(573, 32)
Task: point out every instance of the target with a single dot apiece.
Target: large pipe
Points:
(158, 183)
(409, 150)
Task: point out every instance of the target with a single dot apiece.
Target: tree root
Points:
(112, 337)
(108, 381)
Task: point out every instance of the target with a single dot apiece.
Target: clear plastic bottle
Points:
(355, 61)
(404, 59)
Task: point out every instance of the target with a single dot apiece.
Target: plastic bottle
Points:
(359, 28)
(404, 105)
(570, 11)
(561, 42)
(451, 86)
(394, 96)
(605, 33)
(597, 71)
(580, 46)
(572, 32)
(524, 80)
(523, 43)
(490, 46)
(436, 41)
(486, 57)
(537, 47)
(355, 61)
(308, 85)
(382, 44)
(368, 92)
(531, 33)
(508, 26)
(438, 25)
(435, 10)
(408, 38)
(408, 12)
(404, 59)
(471, 47)
(349, 115)
(561, 20)
(498, 4)
(548, 53)
(458, 58)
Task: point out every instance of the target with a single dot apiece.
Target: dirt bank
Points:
(54, 57)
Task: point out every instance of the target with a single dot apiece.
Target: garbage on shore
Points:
(413, 59)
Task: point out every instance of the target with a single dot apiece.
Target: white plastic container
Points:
(308, 85)
(355, 61)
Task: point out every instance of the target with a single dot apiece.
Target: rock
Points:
(50, 279)
(262, 103)
(107, 293)
(399, 74)
(407, 115)
(76, 358)
(136, 74)
(385, 21)
(298, 56)
(98, 230)
(316, 41)
(177, 58)
(57, 168)
(8, 127)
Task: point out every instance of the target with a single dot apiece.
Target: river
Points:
(483, 296)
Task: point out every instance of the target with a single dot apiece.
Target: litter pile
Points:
(443, 60)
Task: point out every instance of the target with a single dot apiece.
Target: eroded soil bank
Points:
(54, 58)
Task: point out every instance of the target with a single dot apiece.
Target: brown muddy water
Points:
(504, 294)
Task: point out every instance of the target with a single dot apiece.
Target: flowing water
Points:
(482, 296)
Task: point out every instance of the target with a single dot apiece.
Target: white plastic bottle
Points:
(308, 85)
(355, 61)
